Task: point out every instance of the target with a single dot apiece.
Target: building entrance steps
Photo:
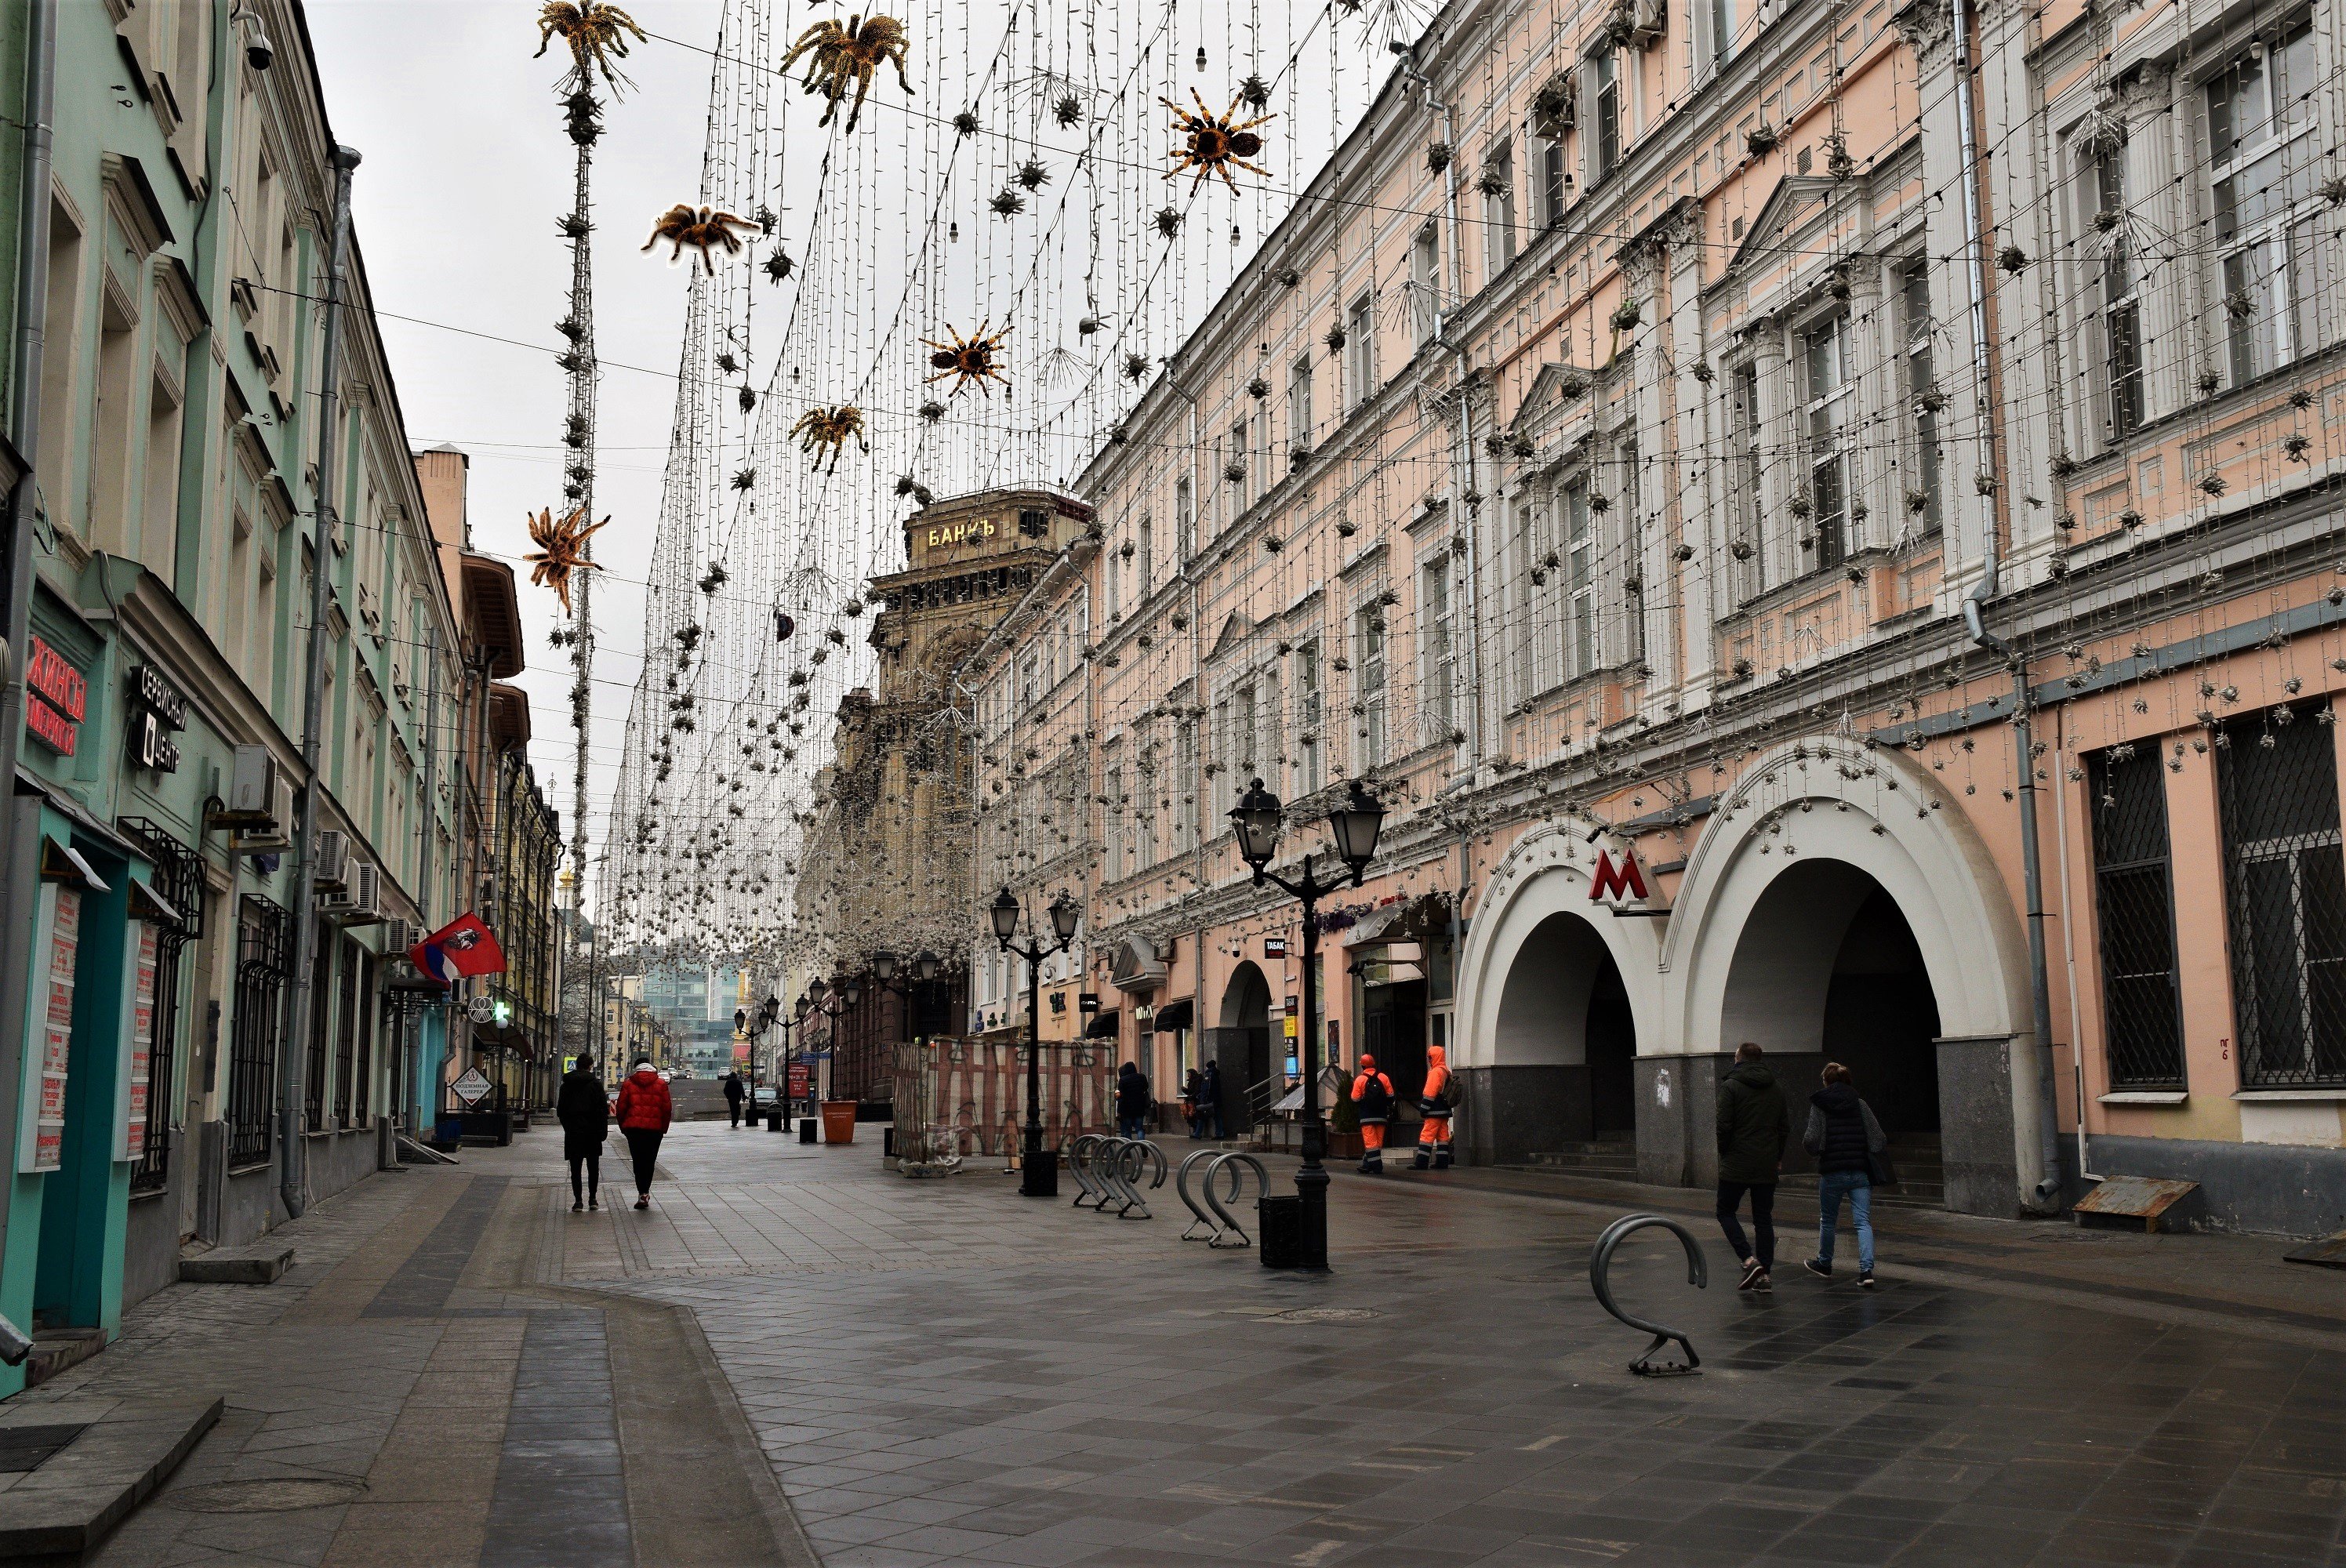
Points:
(1612, 1156)
(119, 1452)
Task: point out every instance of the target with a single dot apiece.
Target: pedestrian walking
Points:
(1848, 1145)
(1754, 1126)
(585, 1113)
(1132, 1102)
(1372, 1092)
(1435, 1100)
(645, 1113)
(1210, 1103)
(1193, 1089)
(733, 1094)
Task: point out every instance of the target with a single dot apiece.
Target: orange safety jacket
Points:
(1373, 1093)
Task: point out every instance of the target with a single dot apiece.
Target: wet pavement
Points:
(942, 1371)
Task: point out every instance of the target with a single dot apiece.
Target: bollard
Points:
(1600, 1266)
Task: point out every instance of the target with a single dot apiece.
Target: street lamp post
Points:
(1355, 826)
(1038, 1168)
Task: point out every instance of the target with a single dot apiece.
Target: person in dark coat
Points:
(1132, 1101)
(585, 1113)
(1193, 1089)
(1846, 1139)
(1209, 1101)
(1754, 1126)
(733, 1093)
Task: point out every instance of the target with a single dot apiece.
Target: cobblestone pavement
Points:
(942, 1371)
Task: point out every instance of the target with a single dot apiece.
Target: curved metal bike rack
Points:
(1600, 1265)
(1079, 1165)
(1181, 1185)
(1107, 1170)
(1228, 1224)
(1132, 1157)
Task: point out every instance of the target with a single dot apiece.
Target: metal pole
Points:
(1038, 1169)
(1312, 1179)
(293, 1172)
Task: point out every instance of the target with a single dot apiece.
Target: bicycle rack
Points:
(1130, 1158)
(1600, 1266)
(1079, 1165)
(1181, 1185)
(1229, 1226)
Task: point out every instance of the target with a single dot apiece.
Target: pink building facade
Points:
(1686, 441)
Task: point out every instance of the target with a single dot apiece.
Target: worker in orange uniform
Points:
(1373, 1093)
(1434, 1103)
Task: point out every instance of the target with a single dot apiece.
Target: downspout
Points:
(1466, 524)
(413, 1088)
(293, 1159)
(2069, 939)
(18, 862)
(2046, 1192)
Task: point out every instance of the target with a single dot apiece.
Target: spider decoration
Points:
(831, 428)
(1216, 143)
(704, 229)
(561, 550)
(969, 361)
(850, 53)
(596, 35)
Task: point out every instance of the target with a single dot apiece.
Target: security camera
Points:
(259, 52)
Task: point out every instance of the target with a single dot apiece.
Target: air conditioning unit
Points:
(360, 901)
(333, 860)
(252, 792)
(272, 831)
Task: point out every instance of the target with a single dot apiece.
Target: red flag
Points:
(463, 948)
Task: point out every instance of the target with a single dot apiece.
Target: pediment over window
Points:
(1797, 200)
(1235, 631)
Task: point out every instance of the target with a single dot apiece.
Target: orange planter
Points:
(839, 1121)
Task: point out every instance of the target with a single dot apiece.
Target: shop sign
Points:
(1620, 884)
(60, 698)
(798, 1080)
(471, 1087)
(943, 534)
(156, 712)
(1088, 1002)
(1274, 947)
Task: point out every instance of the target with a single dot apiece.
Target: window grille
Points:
(2134, 904)
(2285, 881)
(264, 955)
(179, 877)
(346, 1042)
(314, 1090)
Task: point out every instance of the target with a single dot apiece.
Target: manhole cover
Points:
(1326, 1315)
(266, 1496)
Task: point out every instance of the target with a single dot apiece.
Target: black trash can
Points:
(1279, 1221)
(773, 1121)
(809, 1130)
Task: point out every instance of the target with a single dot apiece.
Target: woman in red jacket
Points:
(644, 1111)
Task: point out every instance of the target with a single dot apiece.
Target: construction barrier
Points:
(959, 1097)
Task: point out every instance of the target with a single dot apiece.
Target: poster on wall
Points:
(56, 944)
(131, 1135)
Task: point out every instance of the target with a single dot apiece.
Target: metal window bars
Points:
(2135, 908)
(264, 959)
(178, 876)
(2285, 886)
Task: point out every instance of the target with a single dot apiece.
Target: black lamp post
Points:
(1038, 1167)
(1355, 826)
(799, 1018)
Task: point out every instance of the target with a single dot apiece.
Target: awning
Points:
(1373, 926)
(1176, 1016)
(1103, 1025)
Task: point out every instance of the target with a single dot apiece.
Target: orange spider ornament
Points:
(1216, 144)
(852, 53)
(704, 229)
(831, 428)
(596, 35)
(561, 550)
(970, 361)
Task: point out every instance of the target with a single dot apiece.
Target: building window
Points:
(1922, 390)
(1497, 182)
(1030, 680)
(1722, 30)
(1243, 740)
(1605, 147)
(2285, 881)
(1555, 184)
(1299, 404)
(1579, 582)
(264, 955)
(346, 1042)
(1143, 815)
(2264, 157)
(1437, 652)
(1830, 404)
(1369, 663)
(2121, 310)
(1633, 557)
(1309, 717)
(1112, 828)
(1185, 753)
(1749, 546)
(1360, 350)
(2134, 903)
(1148, 558)
(1425, 284)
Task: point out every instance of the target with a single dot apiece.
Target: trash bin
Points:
(1279, 1221)
(773, 1121)
(839, 1121)
(806, 1129)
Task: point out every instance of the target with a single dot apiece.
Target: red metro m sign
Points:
(1620, 885)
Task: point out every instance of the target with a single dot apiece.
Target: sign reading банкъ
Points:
(940, 534)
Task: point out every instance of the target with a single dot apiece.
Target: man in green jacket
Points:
(1754, 1126)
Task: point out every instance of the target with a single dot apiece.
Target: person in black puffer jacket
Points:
(1845, 1136)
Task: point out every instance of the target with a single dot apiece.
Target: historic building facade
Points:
(1806, 556)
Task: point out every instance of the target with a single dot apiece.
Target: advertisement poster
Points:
(132, 1144)
(54, 1039)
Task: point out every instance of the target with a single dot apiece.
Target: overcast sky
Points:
(466, 170)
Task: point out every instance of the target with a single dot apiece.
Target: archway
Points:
(1827, 969)
(1242, 1043)
(1567, 1038)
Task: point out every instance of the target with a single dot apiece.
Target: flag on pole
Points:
(463, 948)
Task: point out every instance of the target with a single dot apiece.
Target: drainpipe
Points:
(19, 828)
(2069, 935)
(292, 1158)
(2047, 1192)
